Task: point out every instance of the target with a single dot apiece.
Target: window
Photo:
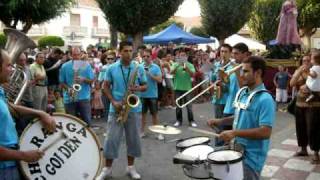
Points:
(75, 19)
(95, 21)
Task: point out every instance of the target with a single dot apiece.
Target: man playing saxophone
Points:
(80, 72)
(116, 85)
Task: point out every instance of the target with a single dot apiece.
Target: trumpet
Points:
(224, 74)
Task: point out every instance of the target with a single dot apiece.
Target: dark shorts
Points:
(151, 104)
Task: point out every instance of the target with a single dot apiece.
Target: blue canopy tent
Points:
(176, 35)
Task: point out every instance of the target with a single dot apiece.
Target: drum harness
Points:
(244, 106)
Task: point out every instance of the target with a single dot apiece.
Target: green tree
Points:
(222, 18)
(265, 19)
(199, 31)
(308, 18)
(50, 41)
(137, 16)
(30, 12)
(164, 25)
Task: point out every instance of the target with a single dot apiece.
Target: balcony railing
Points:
(78, 31)
(100, 32)
(37, 31)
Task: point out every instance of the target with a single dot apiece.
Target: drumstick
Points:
(204, 132)
(62, 135)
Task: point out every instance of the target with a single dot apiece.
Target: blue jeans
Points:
(81, 109)
(10, 173)
(131, 129)
(249, 173)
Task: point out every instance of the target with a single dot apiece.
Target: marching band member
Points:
(116, 85)
(77, 102)
(9, 152)
(150, 96)
(254, 118)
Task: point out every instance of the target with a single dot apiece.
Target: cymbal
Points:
(164, 129)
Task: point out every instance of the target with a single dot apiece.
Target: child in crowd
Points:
(313, 80)
(281, 81)
(51, 100)
(97, 104)
(58, 103)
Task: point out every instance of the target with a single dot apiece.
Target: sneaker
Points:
(193, 124)
(94, 117)
(98, 117)
(105, 173)
(172, 107)
(160, 137)
(142, 135)
(131, 171)
(177, 124)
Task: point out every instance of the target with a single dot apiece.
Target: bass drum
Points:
(73, 151)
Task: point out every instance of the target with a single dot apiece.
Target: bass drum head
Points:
(73, 151)
(185, 143)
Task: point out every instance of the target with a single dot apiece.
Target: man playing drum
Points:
(254, 117)
(116, 85)
(9, 152)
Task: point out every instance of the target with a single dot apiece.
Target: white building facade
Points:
(81, 25)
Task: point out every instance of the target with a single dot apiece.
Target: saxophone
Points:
(130, 100)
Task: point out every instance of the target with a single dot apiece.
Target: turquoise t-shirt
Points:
(152, 90)
(118, 76)
(225, 89)
(102, 73)
(260, 112)
(66, 76)
(8, 133)
(233, 87)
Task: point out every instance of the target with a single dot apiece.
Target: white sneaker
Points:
(160, 137)
(131, 171)
(105, 173)
(142, 135)
(172, 107)
(177, 124)
(193, 124)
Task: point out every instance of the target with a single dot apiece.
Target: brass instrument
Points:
(16, 43)
(76, 87)
(195, 97)
(130, 100)
(224, 74)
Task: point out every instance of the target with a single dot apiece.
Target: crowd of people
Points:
(93, 84)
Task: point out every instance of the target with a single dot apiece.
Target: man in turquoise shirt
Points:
(9, 152)
(150, 96)
(254, 118)
(116, 85)
(80, 72)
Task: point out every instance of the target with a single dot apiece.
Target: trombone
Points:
(224, 75)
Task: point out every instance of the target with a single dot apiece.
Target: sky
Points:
(188, 8)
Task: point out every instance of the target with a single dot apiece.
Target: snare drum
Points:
(200, 168)
(188, 142)
(72, 152)
(226, 163)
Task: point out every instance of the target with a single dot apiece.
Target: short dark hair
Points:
(226, 46)
(316, 56)
(256, 64)
(123, 44)
(242, 47)
(148, 51)
(57, 51)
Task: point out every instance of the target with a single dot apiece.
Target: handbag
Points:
(292, 105)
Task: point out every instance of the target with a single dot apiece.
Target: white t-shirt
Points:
(314, 83)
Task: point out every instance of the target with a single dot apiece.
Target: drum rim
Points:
(183, 147)
(79, 121)
(211, 161)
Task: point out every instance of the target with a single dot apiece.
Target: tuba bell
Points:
(16, 43)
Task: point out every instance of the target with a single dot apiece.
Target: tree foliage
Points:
(50, 41)
(136, 16)
(222, 18)
(3, 40)
(164, 25)
(199, 31)
(30, 12)
(308, 18)
(264, 19)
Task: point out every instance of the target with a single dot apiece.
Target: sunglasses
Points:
(109, 58)
(146, 56)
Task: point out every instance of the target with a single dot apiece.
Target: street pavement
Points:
(156, 161)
